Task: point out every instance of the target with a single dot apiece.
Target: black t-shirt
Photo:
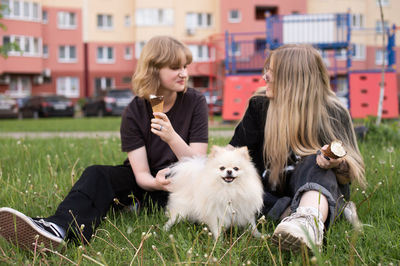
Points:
(188, 116)
(250, 131)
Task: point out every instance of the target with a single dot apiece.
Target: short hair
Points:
(159, 52)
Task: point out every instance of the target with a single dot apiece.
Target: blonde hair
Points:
(304, 113)
(159, 52)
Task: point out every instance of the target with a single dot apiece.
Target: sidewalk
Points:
(99, 134)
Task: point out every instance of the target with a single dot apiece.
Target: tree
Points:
(6, 47)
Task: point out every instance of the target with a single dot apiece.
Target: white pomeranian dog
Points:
(221, 190)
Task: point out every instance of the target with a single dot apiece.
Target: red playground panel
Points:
(237, 91)
(364, 94)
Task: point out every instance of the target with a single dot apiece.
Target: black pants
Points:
(306, 176)
(94, 193)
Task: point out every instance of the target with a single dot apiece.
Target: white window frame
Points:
(378, 26)
(341, 55)
(32, 43)
(106, 21)
(359, 51)
(154, 17)
(128, 53)
(45, 52)
(103, 83)
(379, 57)
(357, 21)
(384, 3)
(200, 53)
(68, 58)
(45, 18)
(192, 20)
(237, 51)
(104, 55)
(65, 87)
(67, 20)
(232, 19)
(128, 20)
(138, 48)
(22, 10)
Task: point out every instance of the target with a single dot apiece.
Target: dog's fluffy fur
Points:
(221, 190)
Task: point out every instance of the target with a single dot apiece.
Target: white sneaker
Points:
(27, 232)
(303, 227)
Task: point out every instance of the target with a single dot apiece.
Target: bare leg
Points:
(316, 200)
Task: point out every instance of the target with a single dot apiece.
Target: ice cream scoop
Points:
(335, 150)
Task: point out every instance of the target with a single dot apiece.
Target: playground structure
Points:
(331, 34)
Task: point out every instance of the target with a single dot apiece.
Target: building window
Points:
(198, 20)
(128, 53)
(28, 46)
(67, 54)
(358, 52)
(127, 21)
(357, 21)
(66, 20)
(262, 10)
(234, 16)
(104, 22)
(199, 52)
(103, 83)
(105, 54)
(45, 51)
(234, 49)
(379, 57)
(138, 48)
(379, 28)
(341, 54)
(5, 8)
(68, 86)
(154, 17)
(384, 2)
(44, 17)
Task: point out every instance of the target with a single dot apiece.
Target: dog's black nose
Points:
(229, 172)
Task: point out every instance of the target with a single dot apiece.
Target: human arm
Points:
(140, 167)
(176, 143)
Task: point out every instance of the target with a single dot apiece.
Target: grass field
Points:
(79, 124)
(36, 174)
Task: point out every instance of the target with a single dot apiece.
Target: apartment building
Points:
(77, 48)
(80, 47)
(367, 30)
(50, 40)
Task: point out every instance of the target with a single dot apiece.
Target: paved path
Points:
(102, 134)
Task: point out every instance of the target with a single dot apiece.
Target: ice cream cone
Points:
(335, 150)
(157, 103)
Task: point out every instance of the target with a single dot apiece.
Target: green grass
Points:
(81, 124)
(36, 174)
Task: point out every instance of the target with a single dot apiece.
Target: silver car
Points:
(8, 107)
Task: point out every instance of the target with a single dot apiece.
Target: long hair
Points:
(304, 113)
(159, 52)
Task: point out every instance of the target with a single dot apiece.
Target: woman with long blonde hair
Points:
(287, 128)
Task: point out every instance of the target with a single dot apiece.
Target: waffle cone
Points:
(335, 150)
(157, 103)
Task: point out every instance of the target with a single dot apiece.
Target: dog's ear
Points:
(214, 150)
(244, 152)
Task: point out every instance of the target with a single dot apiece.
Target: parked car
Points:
(216, 107)
(46, 106)
(8, 107)
(108, 102)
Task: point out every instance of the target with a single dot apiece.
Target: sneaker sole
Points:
(287, 242)
(18, 229)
